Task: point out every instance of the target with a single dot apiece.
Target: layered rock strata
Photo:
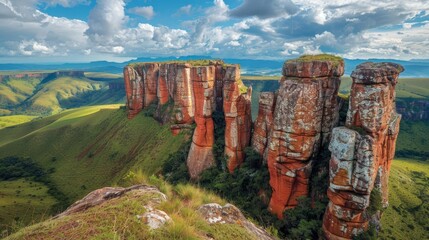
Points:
(304, 111)
(238, 118)
(264, 122)
(191, 93)
(362, 151)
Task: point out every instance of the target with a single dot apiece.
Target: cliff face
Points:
(362, 151)
(195, 92)
(294, 124)
(294, 129)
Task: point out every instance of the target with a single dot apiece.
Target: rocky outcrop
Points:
(190, 92)
(214, 213)
(203, 139)
(305, 111)
(103, 195)
(238, 118)
(264, 121)
(362, 151)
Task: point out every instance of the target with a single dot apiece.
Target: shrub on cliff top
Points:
(318, 57)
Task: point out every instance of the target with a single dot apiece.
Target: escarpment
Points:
(189, 92)
(362, 151)
(296, 128)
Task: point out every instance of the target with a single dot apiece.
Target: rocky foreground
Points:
(295, 128)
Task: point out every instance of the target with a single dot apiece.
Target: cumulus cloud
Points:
(106, 19)
(255, 29)
(185, 10)
(264, 9)
(146, 12)
(65, 3)
(33, 33)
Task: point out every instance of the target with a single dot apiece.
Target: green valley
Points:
(87, 148)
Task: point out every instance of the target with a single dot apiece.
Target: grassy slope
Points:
(16, 90)
(23, 201)
(28, 96)
(7, 121)
(117, 219)
(413, 136)
(49, 97)
(91, 147)
(406, 216)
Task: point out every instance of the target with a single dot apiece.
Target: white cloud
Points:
(266, 29)
(146, 12)
(185, 10)
(65, 3)
(106, 19)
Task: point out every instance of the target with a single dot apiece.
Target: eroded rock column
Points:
(264, 122)
(134, 91)
(305, 111)
(201, 152)
(183, 111)
(362, 151)
(238, 118)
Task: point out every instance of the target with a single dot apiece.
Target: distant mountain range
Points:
(413, 68)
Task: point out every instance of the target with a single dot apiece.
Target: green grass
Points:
(102, 75)
(7, 121)
(317, 57)
(406, 88)
(195, 63)
(259, 78)
(116, 219)
(15, 90)
(91, 147)
(406, 216)
(23, 202)
(413, 137)
(49, 97)
(29, 96)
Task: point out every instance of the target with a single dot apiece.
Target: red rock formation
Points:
(238, 119)
(362, 151)
(134, 91)
(200, 155)
(264, 121)
(196, 92)
(305, 111)
(163, 91)
(183, 111)
(150, 82)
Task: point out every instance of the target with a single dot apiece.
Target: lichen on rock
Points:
(360, 161)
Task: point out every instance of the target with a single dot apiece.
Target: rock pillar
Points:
(306, 110)
(362, 151)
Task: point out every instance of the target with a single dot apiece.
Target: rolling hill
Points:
(79, 150)
(41, 93)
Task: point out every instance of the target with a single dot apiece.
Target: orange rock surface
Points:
(201, 156)
(133, 90)
(238, 118)
(362, 151)
(264, 121)
(305, 111)
(195, 92)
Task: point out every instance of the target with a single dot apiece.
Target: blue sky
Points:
(118, 30)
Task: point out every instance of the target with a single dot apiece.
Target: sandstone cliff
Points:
(295, 123)
(195, 90)
(362, 151)
(294, 129)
